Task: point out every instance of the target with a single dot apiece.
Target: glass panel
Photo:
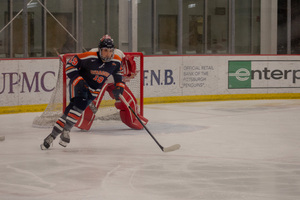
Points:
(217, 27)
(295, 25)
(93, 21)
(166, 23)
(57, 37)
(157, 26)
(145, 30)
(247, 27)
(99, 21)
(256, 27)
(282, 27)
(193, 27)
(243, 27)
(18, 38)
(4, 35)
(35, 29)
(113, 21)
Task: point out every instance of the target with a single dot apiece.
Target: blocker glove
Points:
(118, 90)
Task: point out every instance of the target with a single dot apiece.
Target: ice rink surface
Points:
(231, 150)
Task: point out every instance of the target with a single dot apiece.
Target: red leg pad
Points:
(126, 115)
(87, 117)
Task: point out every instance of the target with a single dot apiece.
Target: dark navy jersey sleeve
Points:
(72, 67)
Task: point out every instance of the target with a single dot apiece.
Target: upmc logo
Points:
(12, 82)
(263, 74)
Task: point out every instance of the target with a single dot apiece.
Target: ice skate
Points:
(64, 138)
(47, 142)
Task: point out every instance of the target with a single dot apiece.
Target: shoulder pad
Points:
(116, 58)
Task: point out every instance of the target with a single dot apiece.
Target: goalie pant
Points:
(86, 120)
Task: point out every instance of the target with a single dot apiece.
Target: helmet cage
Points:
(106, 59)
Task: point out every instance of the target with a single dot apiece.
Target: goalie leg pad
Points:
(131, 121)
(86, 120)
(126, 115)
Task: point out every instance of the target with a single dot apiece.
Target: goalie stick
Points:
(164, 149)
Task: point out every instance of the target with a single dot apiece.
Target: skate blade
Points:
(62, 143)
(43, 147)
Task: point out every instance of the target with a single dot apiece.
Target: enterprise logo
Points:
(263, 74)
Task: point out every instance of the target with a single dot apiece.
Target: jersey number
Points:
(99, 79)
(74, 61)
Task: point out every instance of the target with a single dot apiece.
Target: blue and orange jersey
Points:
(93, 70)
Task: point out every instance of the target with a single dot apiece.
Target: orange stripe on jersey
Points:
(87, 55)
(73, 92)
(68, 68)
(75, 82)
(117, 58)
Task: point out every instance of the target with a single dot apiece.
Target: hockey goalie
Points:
(129, 72)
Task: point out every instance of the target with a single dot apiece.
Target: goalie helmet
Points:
(106, 42)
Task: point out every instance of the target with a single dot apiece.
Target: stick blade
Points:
(171, 148)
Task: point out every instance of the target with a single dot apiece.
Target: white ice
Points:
(231, 150)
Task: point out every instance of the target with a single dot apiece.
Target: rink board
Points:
(27, 84)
